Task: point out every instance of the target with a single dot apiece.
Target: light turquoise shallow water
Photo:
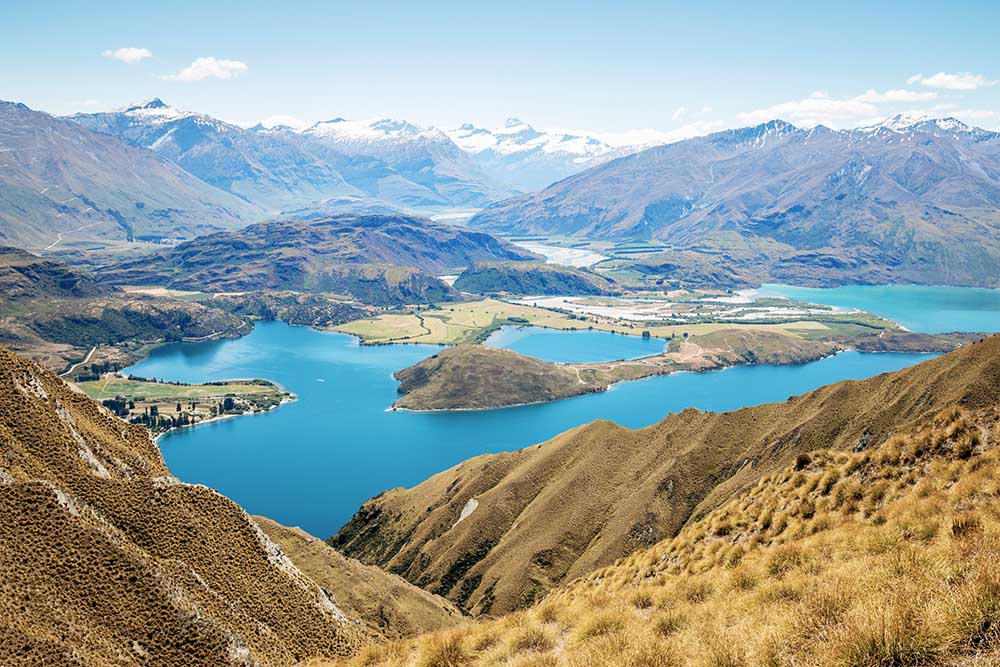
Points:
(916, 307)
(313, 462)
(579, 346)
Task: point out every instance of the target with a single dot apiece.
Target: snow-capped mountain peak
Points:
(154, 110)
(372, 129)
(920, 122)
(155, 103)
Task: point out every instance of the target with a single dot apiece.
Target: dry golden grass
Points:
(883, 558)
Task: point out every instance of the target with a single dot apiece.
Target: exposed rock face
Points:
(386, 603)
(108, 560)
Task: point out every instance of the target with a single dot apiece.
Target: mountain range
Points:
(528, 159)
(347, 164)
(908, 200)
(58, 180)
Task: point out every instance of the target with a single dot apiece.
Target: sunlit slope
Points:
(859, 559)
(550, 513)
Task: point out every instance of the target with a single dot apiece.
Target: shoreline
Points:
(612, 385)
(290, 399)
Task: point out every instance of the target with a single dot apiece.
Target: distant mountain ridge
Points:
(377, 259)
(60, 181)
(380, 161)
(530, 159)
(908, 200)
(256, 166)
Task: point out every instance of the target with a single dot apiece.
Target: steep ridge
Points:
(108, 560)
(359, 255)
(558, 510)
(874, 558)
(898, 202)
(61, 182)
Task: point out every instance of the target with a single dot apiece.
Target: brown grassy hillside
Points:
(106, 559)
(559, 510)
(475, 377)
(880, 558)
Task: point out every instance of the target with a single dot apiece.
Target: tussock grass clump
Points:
(443, 651)
(531, 638)
(600, 625)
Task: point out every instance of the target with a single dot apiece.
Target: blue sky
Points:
(609, 67)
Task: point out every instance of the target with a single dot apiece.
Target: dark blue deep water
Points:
(313, 462)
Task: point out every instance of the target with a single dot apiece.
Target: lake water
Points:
(916, 307)
(574, 346)
(313, 462)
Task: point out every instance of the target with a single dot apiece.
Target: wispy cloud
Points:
(679, 113)
(651, 137)
(128, 54)
(952, 81)
(817, 109)
(209, 68)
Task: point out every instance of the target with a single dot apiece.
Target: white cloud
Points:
(128, 54)
(209, 68)
(650, 137)
(817, 109)
(680, 112)
(952, 80)
(897, 95)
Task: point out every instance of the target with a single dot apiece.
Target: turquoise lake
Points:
(313, 462)
(579, 346)
(916, 307)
